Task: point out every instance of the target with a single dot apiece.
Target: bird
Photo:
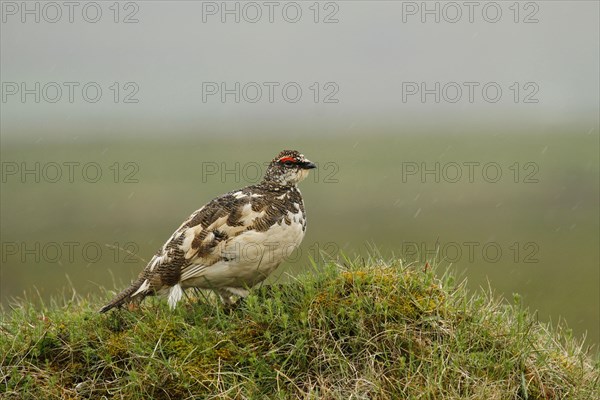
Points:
(233, 242)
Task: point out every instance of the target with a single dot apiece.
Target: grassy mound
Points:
(376, 331)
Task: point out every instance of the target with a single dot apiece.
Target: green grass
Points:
(365, 329)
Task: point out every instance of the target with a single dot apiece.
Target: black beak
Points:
(307, 165)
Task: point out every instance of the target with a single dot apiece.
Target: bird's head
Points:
(288, 168)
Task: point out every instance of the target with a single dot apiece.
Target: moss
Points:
(116, 346)
(378, 330)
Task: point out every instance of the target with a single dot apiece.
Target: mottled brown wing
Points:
(205, 243)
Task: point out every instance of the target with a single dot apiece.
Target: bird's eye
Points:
(288, 163)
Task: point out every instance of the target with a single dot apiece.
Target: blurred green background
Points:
(542, 213)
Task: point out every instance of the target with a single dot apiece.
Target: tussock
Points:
(366, 330)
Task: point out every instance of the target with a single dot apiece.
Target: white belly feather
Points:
(249, 257)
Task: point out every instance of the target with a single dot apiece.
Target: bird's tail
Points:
(125, 296)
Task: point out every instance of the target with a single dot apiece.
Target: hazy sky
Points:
(362, 66)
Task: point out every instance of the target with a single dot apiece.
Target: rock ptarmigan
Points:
(233, 242)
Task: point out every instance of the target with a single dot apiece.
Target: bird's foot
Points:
(231, 307)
